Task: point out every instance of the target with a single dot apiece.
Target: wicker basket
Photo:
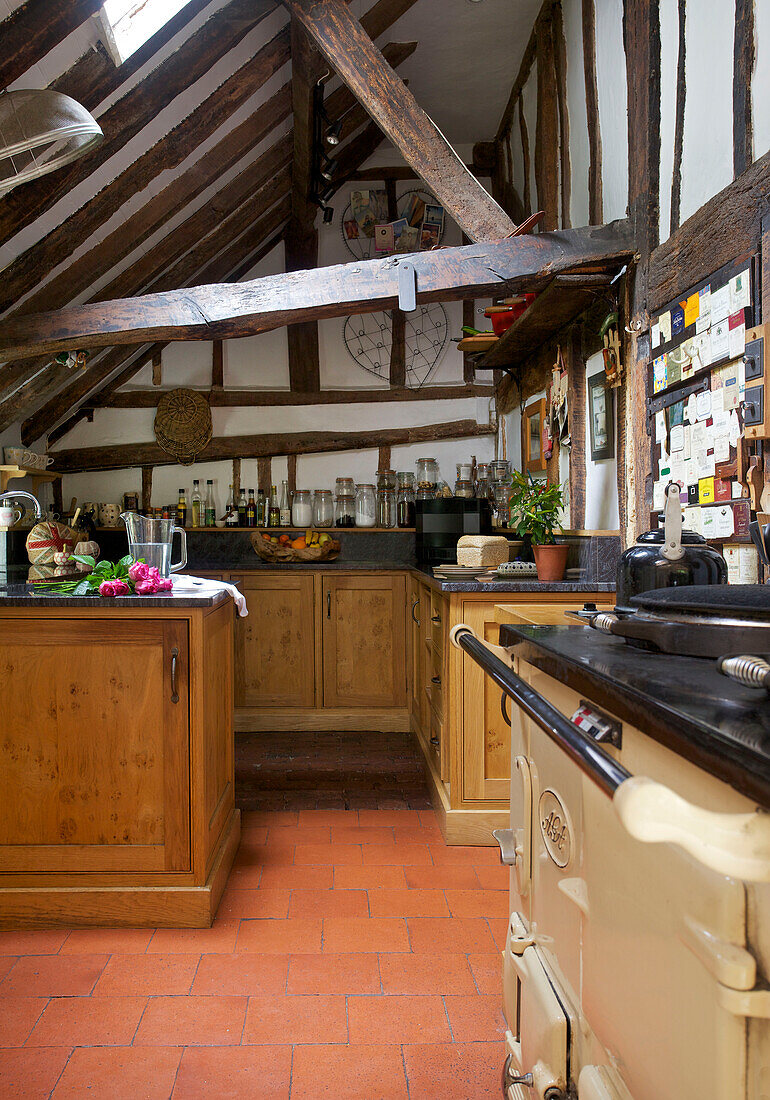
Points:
(183, 424)
(278, 554)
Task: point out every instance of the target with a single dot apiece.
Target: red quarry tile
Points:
(352, 934)
(254, 834)
(478, 903)
(329, 903)
(440, 878)
(397, 1019)
(299, 935)
(487, 972)
(414, 975)
(218, 939)
(362, 834)
(299, 834)
(192, 1021)
(111, 941)
(332, 854)
(253, 903)
(88, 1022)
(53, 976)
(455, 1072)
(428, 817)
(246, 877)
(416, 834)
(368, 878)
(499, 929)
(407, 903)
(349, 1073)
(455, 855)
(147, 976)
(273, 819)
(294, 878)
(333, 974)
(18, 1015)
(115, 1073)
(261, 855)
(7, 962)
(31, 943)
(448, 935)
(280, 1018)
(236, 1073)
(241, 975)
(23, 1077)
(388, 817)
(476, 1019)
(396, 854)
(493, 878)
(329, 817)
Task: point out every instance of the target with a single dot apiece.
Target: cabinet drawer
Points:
(437, 620)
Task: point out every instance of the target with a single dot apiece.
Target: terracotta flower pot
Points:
(551, 561)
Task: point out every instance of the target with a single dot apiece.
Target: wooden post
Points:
(157, 367)
(265, 474)
(292, 472)
(560, 66)
(383, 460)
(743, 71)
(595, 204)
(236, 479)
(146, 488)
(681, 92)
(217, 366)
(577, 427)
(547, 130)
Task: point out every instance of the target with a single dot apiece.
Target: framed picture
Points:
(601, 411)
(532, 424)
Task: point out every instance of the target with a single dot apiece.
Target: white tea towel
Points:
(184, 582)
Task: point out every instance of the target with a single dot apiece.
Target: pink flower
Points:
(146, 587)
(121, 588)
(139, 571)
(166, 584)
(107, 588)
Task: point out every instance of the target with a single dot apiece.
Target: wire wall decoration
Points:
(359, 238)
(368, 338)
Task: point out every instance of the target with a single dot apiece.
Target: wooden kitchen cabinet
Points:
(364, 635)
(275, 644)
(486, 736)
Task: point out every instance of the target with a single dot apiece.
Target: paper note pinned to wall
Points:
(703, 405)
(720, 340)
(655, 334)
(740, 291)
(736, 342)
(677, 438)
(691, 309)
(659, 373)
(704, 310)
(720, 304)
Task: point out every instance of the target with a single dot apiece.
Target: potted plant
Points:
(535, 509)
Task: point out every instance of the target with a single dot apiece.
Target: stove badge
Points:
(556, 828)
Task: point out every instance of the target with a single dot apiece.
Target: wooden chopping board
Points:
(477, 343)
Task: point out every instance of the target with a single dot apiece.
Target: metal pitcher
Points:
(150, 540)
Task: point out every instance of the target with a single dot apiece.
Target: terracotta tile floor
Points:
(354, 955)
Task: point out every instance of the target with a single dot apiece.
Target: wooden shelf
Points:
(288, 530)
(564, 299)
(15, 473)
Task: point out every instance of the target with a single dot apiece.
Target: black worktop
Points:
(682, 702)
(26, 595)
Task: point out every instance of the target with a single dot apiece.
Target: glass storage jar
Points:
(386, 479)
(323, 508)
(386, 508)
(345, 511)
(345, 487)
(301, 508)
(366, 506)
(427, 476)
(502, 510)
(405, 502)
(463, 488)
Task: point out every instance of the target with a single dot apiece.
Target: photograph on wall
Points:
(415, 210)
(409, 239)
(384, 240)
(429, 237)
(351, 229)
(434, 215)
(601, 412)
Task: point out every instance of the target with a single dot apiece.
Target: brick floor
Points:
(369, 969)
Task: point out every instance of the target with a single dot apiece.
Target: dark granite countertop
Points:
(24, 595)
(682, 702)
(502, 587)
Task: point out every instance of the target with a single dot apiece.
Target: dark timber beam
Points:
(148, 399)
(35, 28)
(122, 455)
(743, 72)
(358, 62)
(547, 128)
(206, 312)
(595, 201)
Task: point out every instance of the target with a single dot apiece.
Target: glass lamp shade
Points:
(40, 131)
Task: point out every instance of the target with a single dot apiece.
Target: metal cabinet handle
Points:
(510, 1078)
(435, 741)
(328, 605)
(435, 619)
(415, 620)
(435, 679)
(174, 692)
(506, 838)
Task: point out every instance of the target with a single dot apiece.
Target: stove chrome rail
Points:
(731, 844)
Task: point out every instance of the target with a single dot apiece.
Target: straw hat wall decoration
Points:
(183, 424)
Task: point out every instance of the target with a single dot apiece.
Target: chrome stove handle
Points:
(753, 672)
(737, 845)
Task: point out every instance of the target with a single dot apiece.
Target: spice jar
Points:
(301, 508)
(427, 477)
(345, 511)
(323, 508)
(386, 479)
(386, 508)
(366, 506)
(345, 487)
(463, 488)
(405, 506)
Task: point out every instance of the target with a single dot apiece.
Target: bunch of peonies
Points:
(147, 579)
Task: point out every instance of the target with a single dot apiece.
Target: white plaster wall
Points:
(576, 108)
(529, 99)
(601, 477)
(611, 85)
(761, 82)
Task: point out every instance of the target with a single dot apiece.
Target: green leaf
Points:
(85, 559)
(83, 589)
(126, 562)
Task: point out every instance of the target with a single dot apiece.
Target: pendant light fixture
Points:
(40, 131)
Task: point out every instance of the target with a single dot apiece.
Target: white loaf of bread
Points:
(482, 550)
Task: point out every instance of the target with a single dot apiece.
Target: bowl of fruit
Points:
(308, 546)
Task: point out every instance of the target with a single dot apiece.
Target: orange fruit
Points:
(299, 544)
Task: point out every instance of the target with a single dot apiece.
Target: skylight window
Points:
(129, 23)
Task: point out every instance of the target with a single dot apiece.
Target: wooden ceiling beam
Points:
(235, 398)
(348, 49)
(206, 312)
(34, 28)
(218, 35)
(122, 455)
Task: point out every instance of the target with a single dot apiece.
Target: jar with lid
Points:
(463, 488)
(427, 477)
(366, 506)
(345, 511)
(386, 479)
(345, 487)
(502, 512)
(500, 470)
(464, 471)
(323, 508)
(386, 508)
(405, 502)
(301, 508)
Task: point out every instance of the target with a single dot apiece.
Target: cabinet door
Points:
(275, 643)
(415, 650)
(486, 743)
(94, 758)
(364, 641)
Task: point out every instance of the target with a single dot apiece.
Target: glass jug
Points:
(150, 540)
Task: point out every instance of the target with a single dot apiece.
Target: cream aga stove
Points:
(639, 941)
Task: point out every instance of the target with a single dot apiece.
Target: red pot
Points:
(551, 560)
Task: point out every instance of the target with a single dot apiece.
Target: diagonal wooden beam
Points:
(122, 121)
(358, 62)
(35, 28)
(207, 312)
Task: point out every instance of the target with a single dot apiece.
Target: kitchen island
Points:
(116, 758)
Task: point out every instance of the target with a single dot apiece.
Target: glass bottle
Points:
(181, 510)
(211, 513)
(231, 511)
(197, 505)
(242, 509)
(284, 505)
(251, 511)
(407, 514)
(274, 514)
(261, 508)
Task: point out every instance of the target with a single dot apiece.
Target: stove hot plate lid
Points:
(720, 601)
